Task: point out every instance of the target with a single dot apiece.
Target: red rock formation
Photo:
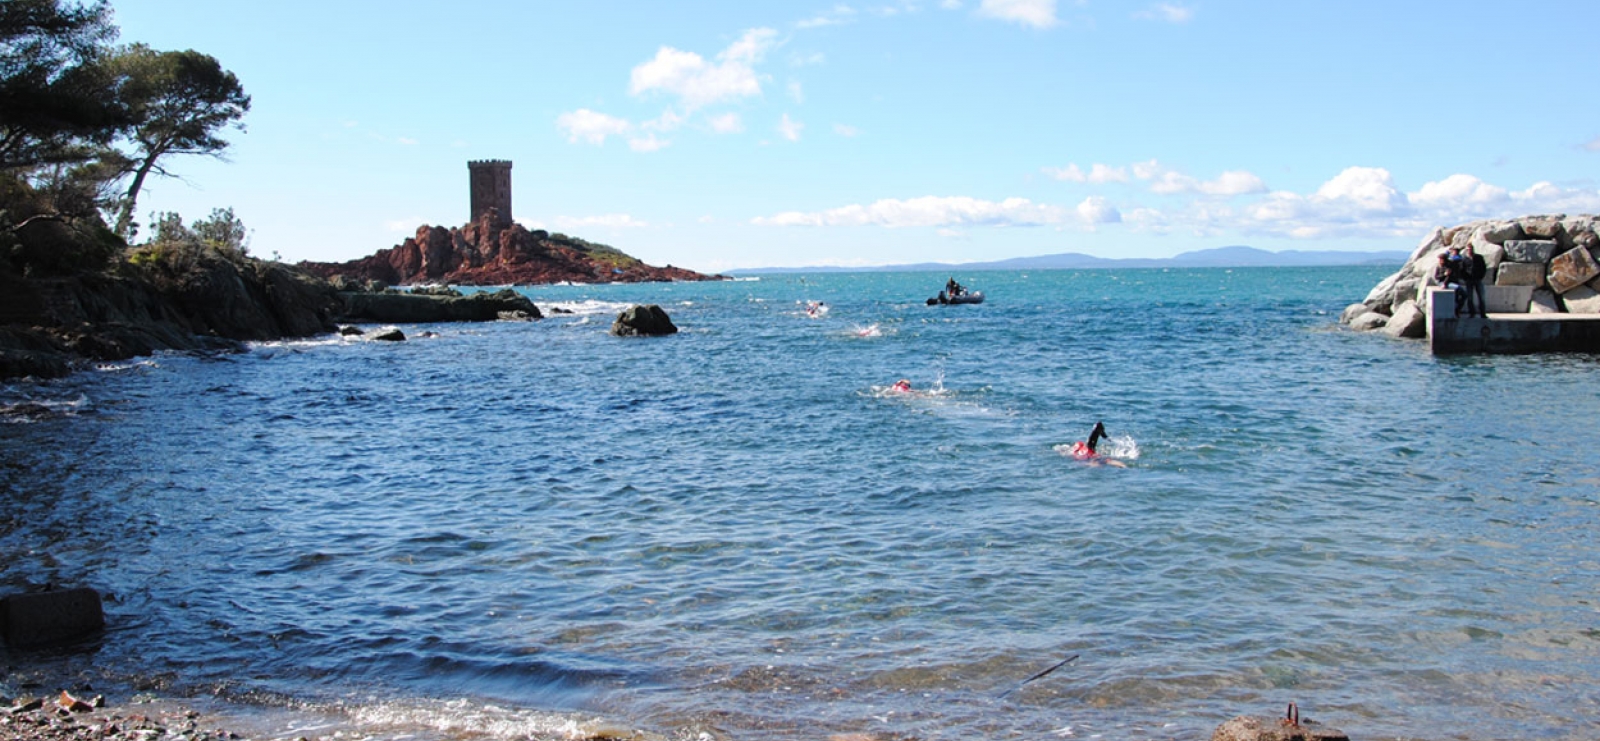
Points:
(490, 252)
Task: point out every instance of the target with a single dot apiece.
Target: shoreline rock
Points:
(1554, 257)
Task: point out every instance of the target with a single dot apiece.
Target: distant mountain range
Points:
(1219, 257)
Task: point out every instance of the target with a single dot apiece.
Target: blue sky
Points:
(717, 135)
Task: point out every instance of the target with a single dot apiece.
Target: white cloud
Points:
(1098, 173)
(1231, 183)
(1035, 13)
(1458, 189)
(727, 123)
(1368, 189)
(1168, 12)
(790, 128)
(846, 131)
(590, 126)
(838, 15)
(1096, 210)
(1593, 145)
(611, 221)
(698, 82)
(647, 143)
(928, 211)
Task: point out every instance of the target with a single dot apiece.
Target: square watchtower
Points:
(491, 187)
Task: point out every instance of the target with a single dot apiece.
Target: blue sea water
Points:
(537, 530)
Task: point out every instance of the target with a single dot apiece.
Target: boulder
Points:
(1571, 269)
(1520, 274)
(411, 308)
(1370, 320)
(640, 320)
(1583, 299)
(1500, 232)
(46, 618)
(1408, 321)
(1542, 227)
(1256, 728)
(385, 334)
(1351, 312)
(1544, 302)
(1534, 251)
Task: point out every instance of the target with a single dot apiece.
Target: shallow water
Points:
(538, 530)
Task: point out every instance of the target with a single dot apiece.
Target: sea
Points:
(536, 530)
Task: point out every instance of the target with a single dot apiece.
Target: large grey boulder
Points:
(1520, 274)
(1369, 321)
(1571, 269)
(1583, 299)
(1544, 302)
(643, 321)
(1535, 251)
(1351, 312)
(1500, 232)
(1408, 321)
(1542, 227)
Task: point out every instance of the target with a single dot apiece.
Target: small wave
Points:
(34, 410)
(870, 330)
(589, 307)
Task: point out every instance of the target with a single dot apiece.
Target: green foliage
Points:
(603, 254)
(178, 251)
(83, 124)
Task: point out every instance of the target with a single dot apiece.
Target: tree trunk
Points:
(125, 219)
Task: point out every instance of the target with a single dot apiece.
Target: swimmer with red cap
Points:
(901, 386)
(1085, 451)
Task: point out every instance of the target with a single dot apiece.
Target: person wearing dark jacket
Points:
(1448, 274)
(1473, 270)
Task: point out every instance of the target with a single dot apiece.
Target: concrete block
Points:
(1507, 299)
(43, 618)
(1544, 302)
(1520, 274)
(1571, 269)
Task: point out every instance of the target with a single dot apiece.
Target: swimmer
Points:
(901, 386)
(1085, 451)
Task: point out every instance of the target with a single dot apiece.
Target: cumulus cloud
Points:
(698, 82)
(790, 128)
(928, 211)
(1034, 13)
(1096, 210)
(592, 127)
(1168, 12)
(1098, 173)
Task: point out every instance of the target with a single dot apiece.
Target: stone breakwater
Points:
(1546, 264)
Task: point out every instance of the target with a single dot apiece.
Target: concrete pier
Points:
(1503, 331)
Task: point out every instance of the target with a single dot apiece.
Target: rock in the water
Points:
(1368, 321)
(57, 616)
(386, 334)
(1256, 728)
(640, 320)
(1408, 321)
(1571, 269)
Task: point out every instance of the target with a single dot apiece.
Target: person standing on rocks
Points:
(1473, 270)
(1448, 273)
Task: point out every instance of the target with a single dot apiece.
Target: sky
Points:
(724, 134)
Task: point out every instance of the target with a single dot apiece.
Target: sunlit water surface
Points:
(539, 530)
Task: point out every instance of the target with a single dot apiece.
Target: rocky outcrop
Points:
(1555, 259)
(432, 306)
(643, 321)
(490, 252)
(1256, 728)
(48, 326)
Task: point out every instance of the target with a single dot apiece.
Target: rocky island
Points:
(493, 251)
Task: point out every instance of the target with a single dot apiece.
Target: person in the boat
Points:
(1088, 451)
(953, 289)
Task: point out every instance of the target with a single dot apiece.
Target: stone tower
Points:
(491, 187)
